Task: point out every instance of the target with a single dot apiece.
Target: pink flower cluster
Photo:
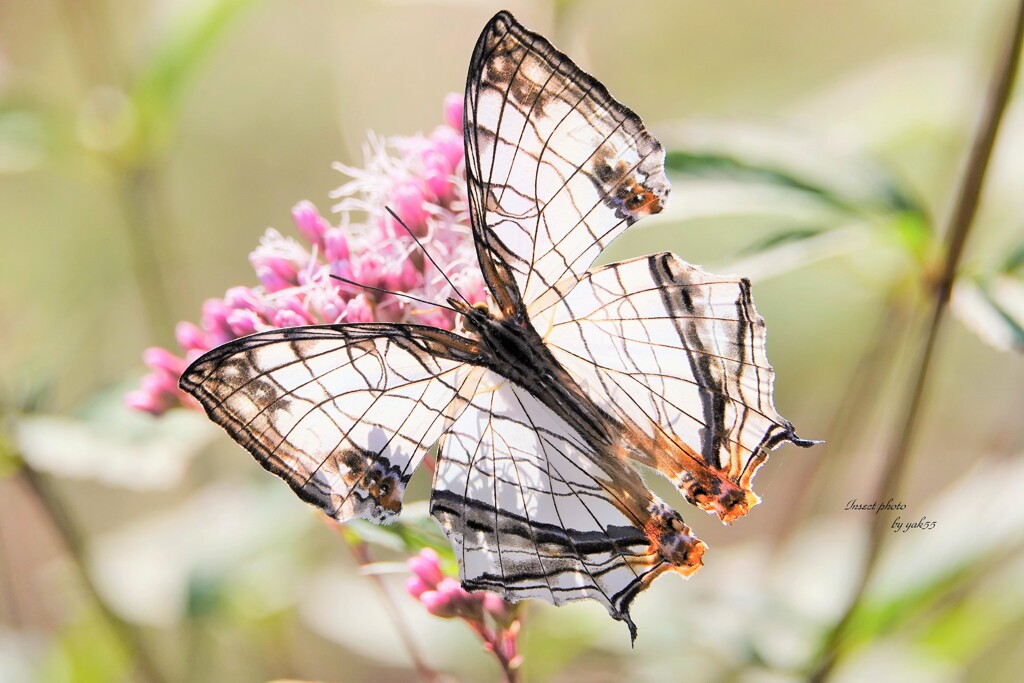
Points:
(493, 619)
(420, 178)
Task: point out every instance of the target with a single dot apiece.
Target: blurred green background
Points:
(814, 147)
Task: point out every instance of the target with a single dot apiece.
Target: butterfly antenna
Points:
(388, 291)
(427, 254)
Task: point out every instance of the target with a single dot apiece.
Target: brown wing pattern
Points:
(533, 510)
(678, 355)
(343, 413)
(556, 167)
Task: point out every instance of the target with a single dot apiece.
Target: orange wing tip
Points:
(673, 539)
(723, 498)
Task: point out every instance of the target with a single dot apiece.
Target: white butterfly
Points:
(542, 408)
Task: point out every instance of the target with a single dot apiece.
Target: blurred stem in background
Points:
(361, 552)
(960, 222)
(127, 636)
(130, 163)
(126, 121)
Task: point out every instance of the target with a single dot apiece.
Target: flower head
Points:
(492, 618)
(422, 180)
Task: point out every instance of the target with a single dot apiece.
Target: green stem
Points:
(361, 553)
(62, 521)
(960, 222)
(145, 222)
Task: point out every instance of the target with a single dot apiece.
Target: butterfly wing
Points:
(533, 510)
(678, 355)
(556, 168)
(343, 413)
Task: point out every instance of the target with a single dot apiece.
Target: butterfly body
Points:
(567, 379)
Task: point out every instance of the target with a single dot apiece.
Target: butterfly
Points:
(571, 377)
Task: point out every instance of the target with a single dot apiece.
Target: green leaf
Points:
(719, 166)
(414, 531)
(993, 308)
(851, 183)
(1015, 261)
(86, 651)
(785, 237)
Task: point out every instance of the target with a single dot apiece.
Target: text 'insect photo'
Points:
(497, 373)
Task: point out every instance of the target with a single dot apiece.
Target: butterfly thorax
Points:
(512, 347)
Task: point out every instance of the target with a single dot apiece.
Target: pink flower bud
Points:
(448, 144)
(310, 223)
(453, 111)
(162, 359)
(411, 276)
(214, 320)
(190, 337)
(358, 310)
(369, 270)
(146, 402)
(273, 280)
(408, 200)
(437, 174)
(453, 590)
(336, 245)
(244, 298)
(438, 605)
(159, 383)
(437, 318)
(471, 283)
(288, 318)
(415, 586)
(242, 323)
(294, 303)
(495, 606)
(426, 566)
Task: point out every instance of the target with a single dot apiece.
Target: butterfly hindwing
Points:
(556, 167)
(678, 355)
(534, 510)
(343, 413)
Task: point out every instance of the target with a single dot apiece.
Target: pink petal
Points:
(453, 111)
(310, 223)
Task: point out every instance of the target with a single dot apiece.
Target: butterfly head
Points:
(474, 317)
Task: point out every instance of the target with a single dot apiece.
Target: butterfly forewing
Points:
(678, 355)
(576, 376)
(556, 167)
(533, 510)
(343, 413)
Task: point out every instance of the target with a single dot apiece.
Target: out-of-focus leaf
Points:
(877, 618)
(713, 165)
(913, 231)
(778, 239)
(24, 140)
(747, 153)
(112, 444)
(414, 530)
(377, 568)
(189, 34)
(992, 307)
(792, 250)
(85, 651)
(227, 546)
(1015, 261)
